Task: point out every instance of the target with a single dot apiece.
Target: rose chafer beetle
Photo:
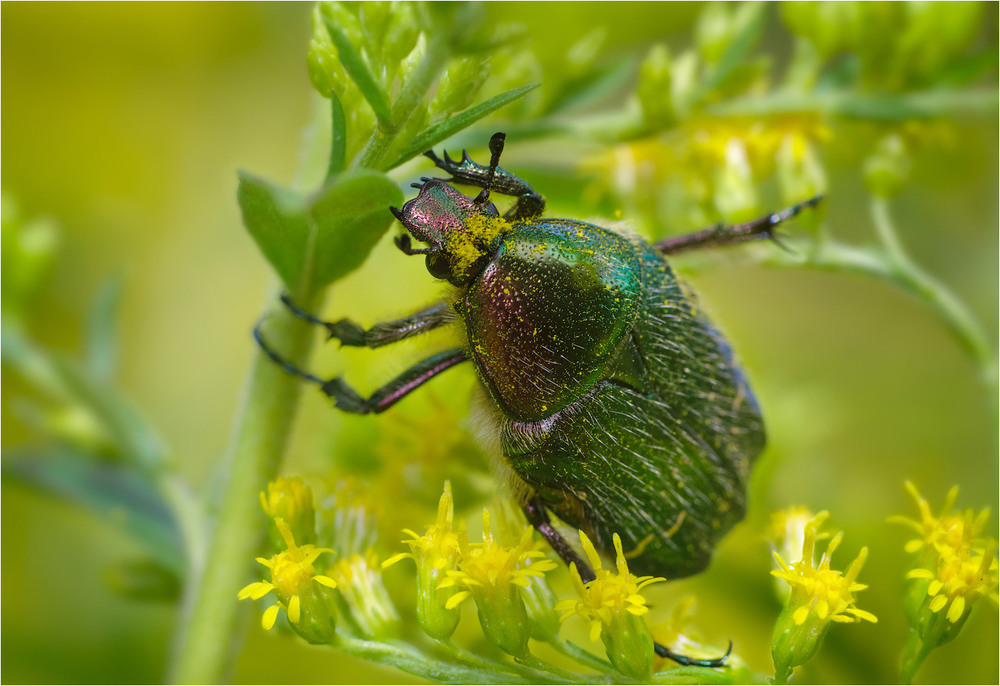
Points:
(618, 406)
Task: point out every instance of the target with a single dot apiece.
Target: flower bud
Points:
(655, 88)
(888, 168)
(291, 500)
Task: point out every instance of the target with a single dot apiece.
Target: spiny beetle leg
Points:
(351, 333)
(722, 234)
(494, 178)
(347, 399)
(538, 516)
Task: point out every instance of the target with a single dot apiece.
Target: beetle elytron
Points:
(618, 406)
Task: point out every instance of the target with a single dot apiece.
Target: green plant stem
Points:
(476, 662)
(949, 309)
(414, 90)
(210, 613)
(890, 263)
(581, 655)
(404, 657)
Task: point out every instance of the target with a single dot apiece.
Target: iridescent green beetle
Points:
(618, 406)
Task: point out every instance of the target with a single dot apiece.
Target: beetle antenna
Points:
(496, 148)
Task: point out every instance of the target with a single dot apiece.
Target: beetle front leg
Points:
(351, 333)
(733, 234)
(494, 179)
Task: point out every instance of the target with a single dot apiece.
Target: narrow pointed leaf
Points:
(357, 68)
(102, 339)
(442, 130)
(736, 53)
(116, 492)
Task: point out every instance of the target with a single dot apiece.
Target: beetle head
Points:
(462, 233)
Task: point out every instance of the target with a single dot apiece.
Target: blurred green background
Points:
(125, 124)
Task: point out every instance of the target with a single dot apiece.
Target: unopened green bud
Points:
(436, 553)
(583, 53)
(437, 617)
(28, 250)
(460, 83)
(79, 426)
(801, 176)
(504, 619)
(326, 73)
(829, 26)
(713, 31)
(374, 20)
(401, 35)
(888, 168)
(317, 619)
(292, 500)
(630, 645)
(540, 602)
(655, 88)
(735, 194)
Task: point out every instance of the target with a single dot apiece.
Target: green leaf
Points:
(338, 137)
(116, 492)
(102, 339)
(144, 579)
(315, 240)
(357, 68)
(132, 435)
(593, 86)
(430, 137)
(736, 52)
(65, 382)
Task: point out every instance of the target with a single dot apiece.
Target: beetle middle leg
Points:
(344, 397)
(538, 517)
(351, 333)
(733, 234)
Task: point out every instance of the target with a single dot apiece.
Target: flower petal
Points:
(270, 614)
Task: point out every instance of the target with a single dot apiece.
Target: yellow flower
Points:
(825, 592)
(819, 595)
(947, 532)
(436, 553)
(962, 577)
(613, 605)
(955, 567)
(493, 575)
(294, 582)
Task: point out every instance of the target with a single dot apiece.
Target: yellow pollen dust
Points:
(468, 246)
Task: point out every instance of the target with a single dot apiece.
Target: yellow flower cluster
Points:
(957, 565)
(826, 592)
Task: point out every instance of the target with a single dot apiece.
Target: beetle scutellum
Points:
(619, 408)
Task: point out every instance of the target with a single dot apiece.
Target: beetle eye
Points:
(439, 265)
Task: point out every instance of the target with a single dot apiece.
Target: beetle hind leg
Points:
(538, 517)
(732, 234)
